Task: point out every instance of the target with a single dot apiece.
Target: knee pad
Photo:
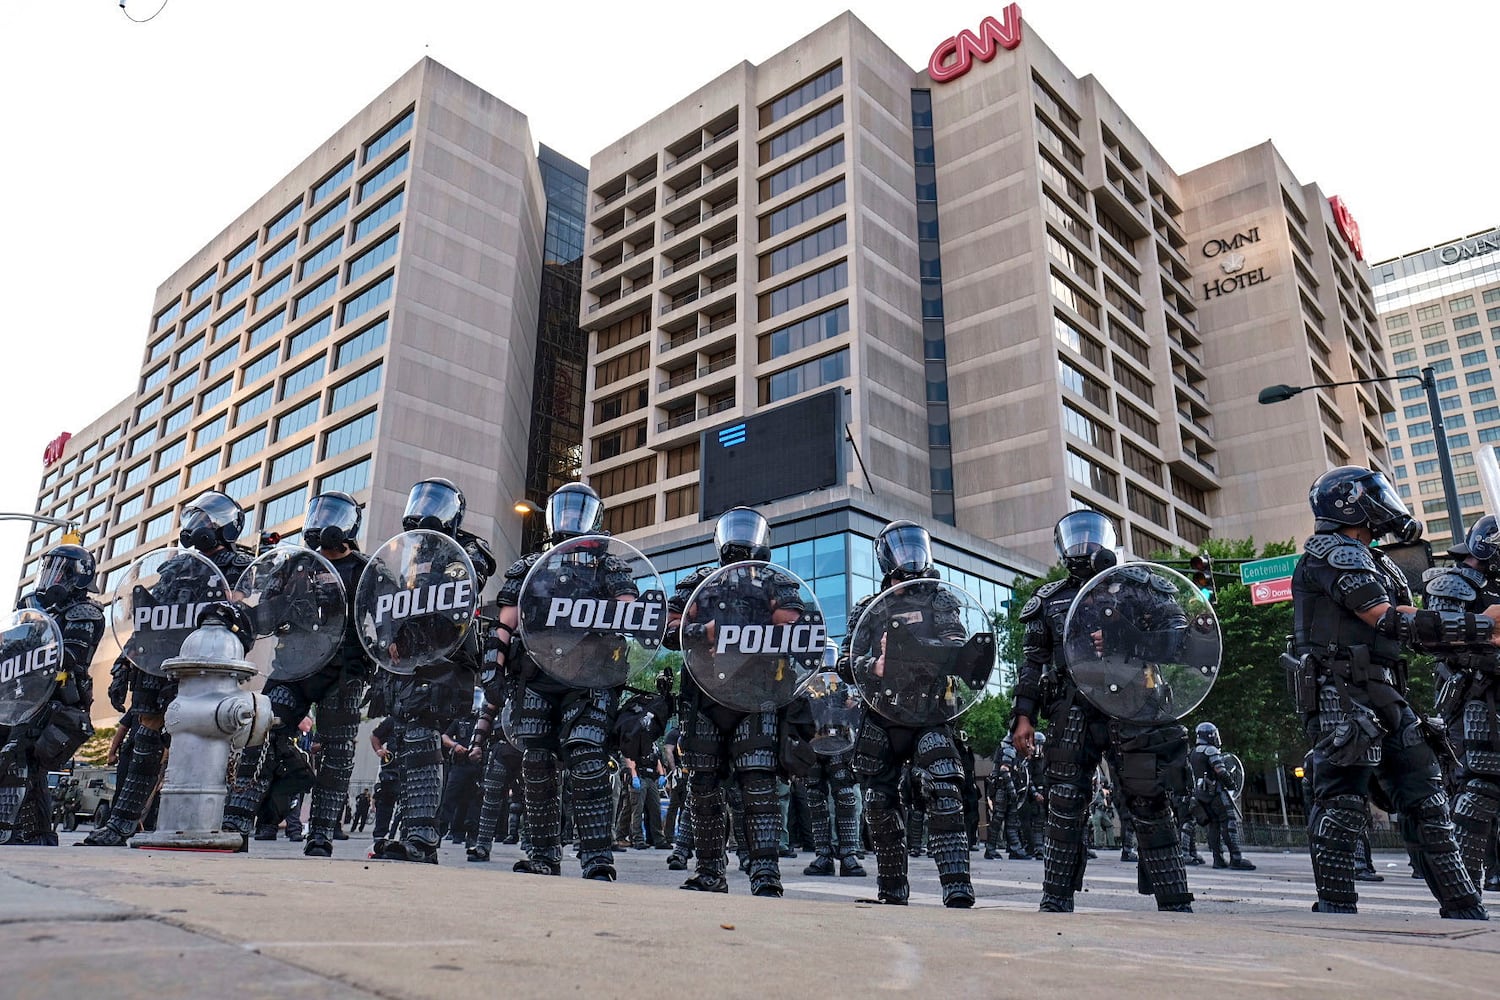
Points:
(701, 744)
(535, 721)
(1478, 800)
(1338, 820)
(945, 808)
(753, 745)
(873, 749)
(1066, 802)
(937, 755)
(585, 720)
(586, 762)
(877, 800)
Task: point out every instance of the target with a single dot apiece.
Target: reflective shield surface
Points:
(157, 604)
(299, 608)
(415, 600)
(30, 657)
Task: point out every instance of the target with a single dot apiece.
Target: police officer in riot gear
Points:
(331, 526)
(1005, 791)
(904, 553)
(718, 742)
(1143, 757)
(1213, 798)
(1469, 688)
(559, 727)
(425, 702)
(1353, 616)
(211, 525)
(54, 733)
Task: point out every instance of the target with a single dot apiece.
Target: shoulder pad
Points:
(1321, 544)
(1351, 557)
(1452, 585)
(240, 558)
(1048, 589)
(1033, 608)
(1136, 572)
(517, 570)
(84, 611)
(1162, 585)
(614, 564)
(944, 600)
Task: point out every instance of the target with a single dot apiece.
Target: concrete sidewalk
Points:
(119, 923)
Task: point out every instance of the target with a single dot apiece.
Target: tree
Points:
(96, 748)
(987, 722)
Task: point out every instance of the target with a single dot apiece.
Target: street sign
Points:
(1271, 591)
(1263, 570)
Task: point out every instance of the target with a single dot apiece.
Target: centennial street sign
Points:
(1262, 570)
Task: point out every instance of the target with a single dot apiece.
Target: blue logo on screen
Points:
(731, 436)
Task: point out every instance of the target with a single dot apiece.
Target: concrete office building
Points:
(1441, 307)
(372, 320)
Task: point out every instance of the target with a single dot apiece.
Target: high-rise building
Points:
(1024, 305)
(374, 319)
(1441, 308)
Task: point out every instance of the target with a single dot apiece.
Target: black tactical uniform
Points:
(51, 735)
(1213, 801)
(1005, 805)
(211, 524)
(1145, 758)
(1469, 687)
(1349, 683)
(337, 690)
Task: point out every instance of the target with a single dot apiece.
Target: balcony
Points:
(672, 343)
(629, 187)
(619, 228)
(680, 263)
(703, 217)
(710, 141)
(697, 294)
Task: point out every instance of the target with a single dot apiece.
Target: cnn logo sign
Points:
(956, 55)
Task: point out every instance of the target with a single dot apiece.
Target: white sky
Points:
(134, 144)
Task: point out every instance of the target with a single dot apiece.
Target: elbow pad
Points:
(1436, 629)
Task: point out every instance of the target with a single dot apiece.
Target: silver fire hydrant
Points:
(209, 716)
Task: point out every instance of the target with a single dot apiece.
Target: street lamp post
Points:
(1428, 378)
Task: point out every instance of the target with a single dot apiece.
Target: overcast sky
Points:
(132, 145)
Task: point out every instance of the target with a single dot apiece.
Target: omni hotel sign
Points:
(1455, 252)
(1226, 252)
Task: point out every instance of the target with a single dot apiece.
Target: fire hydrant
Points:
(210, 716)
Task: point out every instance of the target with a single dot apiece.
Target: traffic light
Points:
(1202, 566)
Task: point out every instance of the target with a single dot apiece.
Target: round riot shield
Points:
(751, 634)
(415, 600)
(836, 711)
(157, 604)
(592, 610)
(298, 605)
(922, 652)
(1235, 768)
(1142, 645)
(30, 656)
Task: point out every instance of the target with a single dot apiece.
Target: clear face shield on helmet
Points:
(331, 522)
(1387, 512)
(571, 513)
(433, 506)
(209, 521)
(904, 550)
(63, 572)
(740, 534)
(1085, 541)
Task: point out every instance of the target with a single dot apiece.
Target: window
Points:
(800, 251)
(290, 423)
(630, 516)
(135, 476)
(284, 221)
(130, 508)
(395, 168)
(804, 290)
(682, 501)
(273, 291)
(362, 343)
(1468, 322)
(157, 527)
(383, 213)
(149, 409)
(804, 377)
(1053, 140)
(254, 406)
(1419, 429)
(1086, 428)
(349, 434)
(160, 348)
(277, 257)
(1399, 339)
(812, 330)
(1461, 303)
(260, 334)
(184, 385)
(367, 299)
(1433, 311)
(248, 446)
(804, 131)
(350, 479)
(260, 367)
(682, 460)
(241, 256)
(287, 465)
(211, 431)
(1146, 505)
(164, 490)
(1069, 258)
(308, 336)
(1066, 218)
(279, 510)
(1470, 340)
(320, 259)
(234, 289)
(325, 220)
(1488, 415)
(142, 441)
(203, 287)
(1414, 411)
(622, 367)
(1422, 448)
(1053, 106)
(385, 140)
(331, 183)
(177, 419)
(224, 358)
(166, 316)
(804, 94)
(216, 395)
(1404, 357)
(1433, 330)
(1134, 383)
(1398, 321)
(807, 207)
(155, 378)
(356, 388)
(1481, 396)
(1071, 297)
(373, 258)
(202, 469)
(1091, 474)
(244, 484)
(172, 453)
(1474, 358)
(1440, 347)
(1478, 377)
(315, 296)
(302, 378)
(803, 170)
(1090, 388)
(1066, 333)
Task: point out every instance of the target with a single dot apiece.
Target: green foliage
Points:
(1012, 633)
(643, 677)
(987, 723)
(96, 748)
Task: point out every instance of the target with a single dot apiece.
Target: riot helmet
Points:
(1085, 541)
(742, 534)
(1351, 496)
(66, 570)
(1208, 733)
(210, 522)
(332, 521)
(1483, 543)
(904, 550)
(434, 505)
(573, 509)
